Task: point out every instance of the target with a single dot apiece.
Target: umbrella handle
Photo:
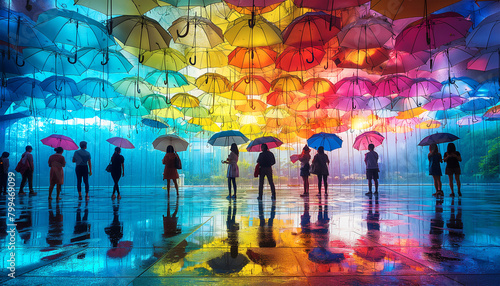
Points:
(165, 82)
(107, 103)
(312, 59)
(141, 58)
(136, 107)
(326, 67)
(58, 88)
(17, 61)
(251, 22)
(211, 111)
(252, 54)
(185, 34)
(85, 129)
(247, 80)
(192, 62)
(75, 59)
(28, 5)
(4, 80)
(106, 60)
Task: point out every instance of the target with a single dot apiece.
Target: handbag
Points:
(178, 163)
(257, 170)
(108, 168)
(313, 168)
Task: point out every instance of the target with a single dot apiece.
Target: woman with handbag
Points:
(232, 169)
(117, 170)
(172, 162)
(304, 158)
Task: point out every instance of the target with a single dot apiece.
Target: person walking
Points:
(170, 172)
(232, 169)
(372, 170)
(321, 162)
(27, 170)
(4, 172)
(266, 160)
(452, 159)
(117, 171)
(304, 159)
(435, 159)
(83, 169)
(56, 164)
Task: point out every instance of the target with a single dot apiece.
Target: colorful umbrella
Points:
(293, 59)
(252, 84)
(121, 142)
(365, 33)
(140, 32)
(161, 143)
(196, 31)
(164, 59)
(212, 82)
(258, 57)
(438, 138)
(206, 58)
(354, 86)
(271, 142)
(370, 137)
(392, 85)
(252, 31)
(226, 138)
(119, 7)
(327, 140)
(328, 5)
(56, 140)
(408, 9)
(311, 29)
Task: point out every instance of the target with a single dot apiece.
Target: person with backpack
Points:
(26, 168)
(4, 172)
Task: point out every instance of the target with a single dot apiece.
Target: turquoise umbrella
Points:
(104, 60)
(61, 102)
(83, 113)
(52, 59)
(54, 113)
(18, 29)
(60, 85)
(97, 87)
(111, 115)
(166, 78)
(27, 87)
(13, 64)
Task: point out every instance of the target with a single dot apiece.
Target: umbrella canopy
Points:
(371, 137)
(57, 140)
(140, 32)
(258, 57)
(438, 138)
(226, 138)
(165, 59)
(311, 29)
(293, 59)
(256, 31)
(119, 7)
(121, 142)
(408, 8)
(365, 34)
(271, 142)
(161, 143)
(196, 32)
(329, 141)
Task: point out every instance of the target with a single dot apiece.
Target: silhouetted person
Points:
(4, 172)
(170, 222)
(265, 232)
(82, 227)
(435, 160)
(55, 234)
(232, 169)
(266, 160)
(232, 230)
(455, 225)
(371, 161)
(27, 167)
(115, 229)
(304, 159)
(83, 169)
(117, 170)
(452, 158)
(25, 221)
(56, 164)
(320, 163)
(170, 172)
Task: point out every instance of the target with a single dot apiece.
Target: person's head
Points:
(83, 144)
(306, 149)
(5, 155)
(451, 148)
(118, 150)
(371, 147)
(321, 150)
(58, 150)
(234, 149)
(264, 147)
(170, 149)
(433, 148)
(29, 148)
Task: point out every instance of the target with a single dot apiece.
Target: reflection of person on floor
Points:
(436, 253)
(25, 222)
(265, 233)
(54, 235)
(305, 223)
(3, 217)
(232, 229)
(170, 221)
(455, 225)
(82, 227)
(115, 229)
(370, 253)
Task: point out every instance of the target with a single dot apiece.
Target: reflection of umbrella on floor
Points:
(370, 253)
(123, 248)
(270, 141)
(371, 137)
(324, 256)
(328, 140)
(226, 138)
(121, 142)
(437, 138)
(56, 140)
(228, 264)
(161, 143)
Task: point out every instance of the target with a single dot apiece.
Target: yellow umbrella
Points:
(251, 119)
(224, 118)
(252, 84)
(253, 105)
(133, 86)
(197, 111)
(253, 32)
(196, 31)
(230, 125)
(212, 82)
(165, 59)
(169, 112)
(306, 104)
(201, 121)
(287, 83)
(251, 130)
(222, 110)
(236, 97)
(212, 127)
(119, 7)
(276, 112)
(429, 124)
(410, 113)
(206, 58)
(184, 100)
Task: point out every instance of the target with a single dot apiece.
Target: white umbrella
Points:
(161, 143)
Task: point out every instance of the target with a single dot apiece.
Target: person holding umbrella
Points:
(320, 163)
(232, 169)
(170, 173)
(435, 159)
(56, 164)
(82, 170)
(117, 171)
(452, 159)
(266, 160)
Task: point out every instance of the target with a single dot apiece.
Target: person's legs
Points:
(271, 183)
(168, 187)
(261, 184)
(79, 177)
(86, 180)
(234, 186)
(369, 185)
(450, 177)
(304, 178)
(176, 186)
(319, 184)
(376, 185)
(51, 188)
(459, 184)
(306, 184)
(229, 187)
(436, 184)
(325, 181)
(59, 189)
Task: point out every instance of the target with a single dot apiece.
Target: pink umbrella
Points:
(354, 86)
(402, 62)
(485, 61)
(271, 142)
(365, 33)
(371, 137)
(469, 120)
(328, 5)
(449, 57)
(377, 103)
(56, 140)
(121, 142)
(422, 87)
(432, 32)
(391, 85)
(444, 103)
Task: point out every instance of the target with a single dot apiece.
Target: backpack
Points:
(21, 168)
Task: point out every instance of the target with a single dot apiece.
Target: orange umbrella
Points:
(252, 84)
(213, 82)
(253, 105)
(287, 83)
(253, 9)
(257, 57)
(318, 86)
(280, 97)
(294, 59)
(361, 59)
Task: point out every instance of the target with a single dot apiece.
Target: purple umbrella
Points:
(437, 138)
(270, 141)
(121, 142)
(469, 120)
(56, 140)
(443, 103)
(390, 85)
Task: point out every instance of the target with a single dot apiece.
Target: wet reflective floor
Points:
(403, 236)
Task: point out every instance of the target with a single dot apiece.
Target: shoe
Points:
(459, 194)
(304, 195)
(32, 193)
(113, 197)
(22, 193)
(452, 194)
(259, 198)
(318, 194)
(80, 197)
(58, 199)
(228, 197)
(233, 197)
(369, 194)
(273, 198)
(87, 197)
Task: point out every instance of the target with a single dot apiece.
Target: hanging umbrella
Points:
(26, 87)
(477, 103)
(354, 86)
(328, 5)
(276, 112)
(154, 121)
(196, 31)
(165, 59)
(252, 105)
(104, 60)
(365, 33)
(140, 32)
(438, 138)
(392, 85)
(370, 137)
(311, 29)
(251, 130)
(271, 142)
(53, 59)
(449, 57)
(64, 103)
(167, 79)
(60, 85)
(196, 112)
(154, 101)
(18, 29)
(56, 140)
(484, 34)
(97, 87)
(161, 143)
(408, 8)
(252, 84)
(329, 141)
(96, 103)
(276, 98)
(493, 113)
(133, 86)
(287, 83)
(15, 63)
(402, 62)
(401, 103)
(257, 57)
(121, 142)
(422, 87)
(119, 7)
(184, 100)
(349, 103)
(377, 103)
(203, 58)
(213, 82)
(486, 60)
(226, 138)
(293, 59)
(429, 124)
(361, 59)
(252, 31)
(469, 120)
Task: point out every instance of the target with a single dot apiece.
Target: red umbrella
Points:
(432, 32)
(271, 142)
(56, 140)
(123, 248)
(361, 59)
(280, 97)
(311, 29)
(371, 137)
(328, 5)
(121, 142)
(294, 59)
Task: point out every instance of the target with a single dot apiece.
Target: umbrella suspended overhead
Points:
(392, 85)
(213, 82)
(119, 7)
(365, 34)
(121, 142)
(226, 138)
(248, 32)
(15, 64)
(293, 59)
(287, 83)
(252, 84)
(196, 32)
(328, 5)
(140, 32)
(164, 59)
(484, 35)
(161, 143)
(402, 62)
(52, 59)
(258, 57)
(311, 29)
(104, 60)
(60, 85)
(438, 138)
(17, 29)
(57, 140)
(206, 58)
(191, 3)
(184, 100)
(97, 87)
(399, 9)
(167, 78)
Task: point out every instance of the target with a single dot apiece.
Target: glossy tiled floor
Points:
(403, 236)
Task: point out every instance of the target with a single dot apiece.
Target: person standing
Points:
(452, 159)
(266, 160)
(321, 162)
(27, 170)
(117, 170)
(170, 172)
(83, 169)
(4, 172)
(56, 164)
(435, 159)
(232, 169)
(304, 159)
(371, 161)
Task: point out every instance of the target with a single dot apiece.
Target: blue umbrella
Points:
(167, 78)
(8, 96)
(18, 29)
(27, 87)
(97, 87)
(104, 61)
(329, 141)
(111, 115)
(65, 103)
(14, 64)
(60, 85)
(54, 113)
(477, 103)
(438, 138)
(489, 88)
(83, 113)
(226, 138)
(54, 60)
